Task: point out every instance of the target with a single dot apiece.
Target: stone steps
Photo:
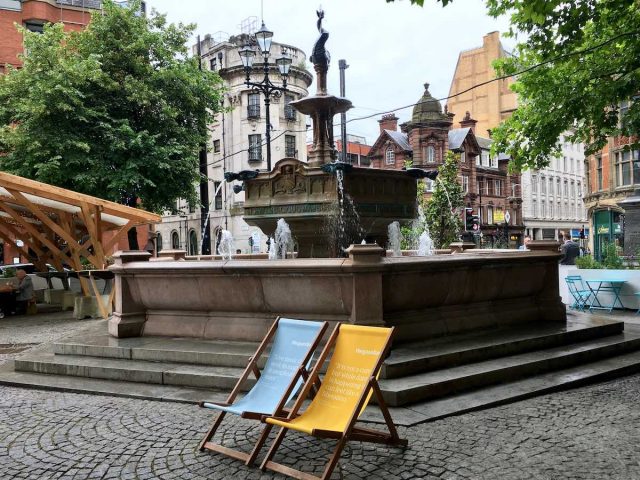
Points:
(125, 370)
(160, 349)
(424, 356)
(448, 381)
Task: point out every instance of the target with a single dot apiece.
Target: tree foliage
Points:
(118, 110)
(581, 60)
(442, 210)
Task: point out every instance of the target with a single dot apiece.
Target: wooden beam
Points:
(109, 245)
(7, 236)
(72, 198)
(44, 218)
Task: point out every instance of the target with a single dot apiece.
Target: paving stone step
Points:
(140, 371)
(160, 349)
(424, 356)
(440, 383)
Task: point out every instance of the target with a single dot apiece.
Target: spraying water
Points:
(395, 237)
(226, 245)
(272, 249)
(425, 243)
(282, 241)
(206, 220)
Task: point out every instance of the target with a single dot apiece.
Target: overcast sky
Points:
(392, 49)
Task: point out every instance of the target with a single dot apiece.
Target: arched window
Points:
(430, 154)
(175, 240)
(193, 243)
(390, 157)
(158, 242)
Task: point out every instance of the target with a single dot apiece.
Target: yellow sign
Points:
(498, 216)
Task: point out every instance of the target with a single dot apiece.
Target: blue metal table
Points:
(605, 285)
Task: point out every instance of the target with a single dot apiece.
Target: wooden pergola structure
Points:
(60, 226)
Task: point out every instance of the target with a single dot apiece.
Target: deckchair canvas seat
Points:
(294, 342)
(345, 390)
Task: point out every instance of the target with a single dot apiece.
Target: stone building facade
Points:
(488, 186)
(238, 143)
(552, 197)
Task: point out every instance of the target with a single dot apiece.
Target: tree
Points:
(580, 61)
(118, 110)
(442, 210)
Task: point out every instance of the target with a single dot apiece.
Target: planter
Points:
(627, 294)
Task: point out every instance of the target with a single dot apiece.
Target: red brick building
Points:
(489, 188)
(33, 14)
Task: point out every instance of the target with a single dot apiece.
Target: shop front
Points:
(608, 227)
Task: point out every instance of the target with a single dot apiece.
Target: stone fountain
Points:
(309, 195)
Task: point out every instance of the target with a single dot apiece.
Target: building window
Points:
(465, 183)
(390, 157)
(463, 157)
(37, 27)
(430, 154)
(216, 146)
(535, 208)
(551, 209)
(628, 167)
(543, 209)
(579, 189)
(289, 111)
(429, 185)
(558, 190)
(158, 242)
(217, 191)
(193, 242)
(290, 146)
(192, 207)
(484, 158)
(490, 215)
(175, 240)
(599, 165)
(493, 161)
(497, 188)
(624, 109)
(253, 107)
(566, 189)
(255, 148)
(534, 185)
(212, 64)
(543, 185)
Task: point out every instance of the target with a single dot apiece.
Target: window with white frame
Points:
(489, 214)
(430, 154)
(484, 158)
(628, 167)
(534, 204)
(465, 183)
(543, 185)
(390, 156)
(429, 184)
(463, 157)
(493, 161)
(566, 189)
(543, 209)
(534, 185)
(497, 188)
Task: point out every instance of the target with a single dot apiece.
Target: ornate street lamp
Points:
(266, 87)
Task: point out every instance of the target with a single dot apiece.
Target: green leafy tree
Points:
(118, 110)
(443, 209)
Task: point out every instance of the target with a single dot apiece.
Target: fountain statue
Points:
(307, 195)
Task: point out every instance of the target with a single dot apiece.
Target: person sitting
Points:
(24, 292)
(525, 244)
(570, 250)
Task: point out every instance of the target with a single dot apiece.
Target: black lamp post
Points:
(266, 87)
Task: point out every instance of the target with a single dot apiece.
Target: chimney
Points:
(467, 121)
(388, 122)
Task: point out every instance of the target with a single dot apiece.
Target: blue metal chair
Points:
(581, 294)
(294, 342)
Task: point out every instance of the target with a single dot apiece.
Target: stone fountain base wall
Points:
(422, 296)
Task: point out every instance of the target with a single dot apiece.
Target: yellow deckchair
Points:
(351, 379)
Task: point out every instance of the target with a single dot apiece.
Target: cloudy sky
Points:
(391, 49)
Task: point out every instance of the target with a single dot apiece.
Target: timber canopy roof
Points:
(62, 226)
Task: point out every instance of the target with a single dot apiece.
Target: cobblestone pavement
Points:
(587, 433)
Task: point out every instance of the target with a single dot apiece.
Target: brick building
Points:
(489, 188)
(612, 175)
(33, 14)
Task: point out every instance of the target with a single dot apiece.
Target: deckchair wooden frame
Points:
(351, 432)
(252, 367)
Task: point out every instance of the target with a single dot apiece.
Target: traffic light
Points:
(471, 221)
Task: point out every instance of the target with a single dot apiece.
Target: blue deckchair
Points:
(294, 342)
(579, 292)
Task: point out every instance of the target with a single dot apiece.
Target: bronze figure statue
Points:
(320, 56)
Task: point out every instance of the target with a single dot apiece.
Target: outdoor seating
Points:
(350, 380)
(294, 343)
(581, 294)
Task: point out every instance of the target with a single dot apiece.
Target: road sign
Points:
(507, 217)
